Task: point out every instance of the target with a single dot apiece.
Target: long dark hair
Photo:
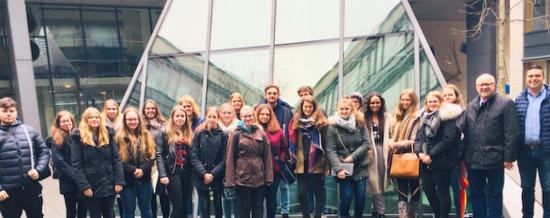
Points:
(381, 113)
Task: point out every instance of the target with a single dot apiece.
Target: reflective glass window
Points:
(5, 73)
(428, 78)
(314, 64)
(252, 26)
(102, 42)
(184, 29)
(383, 63)
(155, 14)
(134, 30)
(374, 12)
(244, 71)
(299, 21)
(169, 78)
(64, 34)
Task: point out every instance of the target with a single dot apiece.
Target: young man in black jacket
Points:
(24, 157)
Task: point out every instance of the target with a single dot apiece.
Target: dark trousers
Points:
(102, 206)
(251, 199)
(435, 183)
(204, 205)
(271, 196)
(456, 180)
(406, 185)
(308, 181)
(28, 198)
(312, 202)
(74, 206)
(529, 163)
(164, 205)
(179, 191)
(483, 205)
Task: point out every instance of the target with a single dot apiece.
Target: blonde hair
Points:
(236, 95)
(104, 112)
(191, 101)
(230, 108)
(359, 117)
(459, 99)
(58, 133)
(171, 135)
(400, 113)
(86, 134)
(434, 94)
(124, 138)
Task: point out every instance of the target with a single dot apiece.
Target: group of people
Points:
(238, 148)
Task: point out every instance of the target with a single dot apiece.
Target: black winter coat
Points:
(443, 146)
(61, 158)
(166, 155)
(15, 156)
(96, 167)
(137, 162)
(491, 133)
(208, 156)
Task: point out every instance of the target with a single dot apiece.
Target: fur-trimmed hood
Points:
(450, 111)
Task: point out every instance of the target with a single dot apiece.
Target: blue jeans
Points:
(349, 188)
(283, 187)
(143, 192)
(231, 207)
(270, 195)
(529, 161)
(486, 206)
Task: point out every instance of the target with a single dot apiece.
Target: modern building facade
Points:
(131, 50)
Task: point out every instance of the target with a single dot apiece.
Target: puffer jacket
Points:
(253, 167)
(522, 102)
(96, 167)
(208, 156)
(442, 147)
(61, 158)
(15, 156)
(166, 155)
(357, 144)
(491, 133)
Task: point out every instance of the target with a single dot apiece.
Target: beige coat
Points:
(373, 184)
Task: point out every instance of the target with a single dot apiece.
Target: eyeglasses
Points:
(485, 84)
(247, 116)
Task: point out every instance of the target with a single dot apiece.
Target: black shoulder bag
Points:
(286, 172)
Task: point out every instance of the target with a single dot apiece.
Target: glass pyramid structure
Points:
(210, 49)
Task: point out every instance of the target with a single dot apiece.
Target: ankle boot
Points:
(374, 215)
(402, 207)
(413, 207)
(381, 216)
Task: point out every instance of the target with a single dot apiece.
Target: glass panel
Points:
(245, 72)
(176, 36)
(540, 15)
(372, 11)
(97, 88)
(134, 99)
(166, 76)
(134, 29)
(102, 43)
(315, 65)
(64, 34)
(6, 88)
(299, 21)
(155, 14)
(383, 63)
(46, 111)
(251, 28)
(428, 79)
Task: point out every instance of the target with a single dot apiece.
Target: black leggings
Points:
(102, 206)
(315, 182)
(407, 186)
(74, 206)
(179, 191)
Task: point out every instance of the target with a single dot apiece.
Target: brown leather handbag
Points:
(405, 165)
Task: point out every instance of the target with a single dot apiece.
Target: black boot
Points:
(374, 215)
(381, 216)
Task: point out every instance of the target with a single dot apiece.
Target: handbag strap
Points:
(340, 138)
(402, 193)
(5, 139)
